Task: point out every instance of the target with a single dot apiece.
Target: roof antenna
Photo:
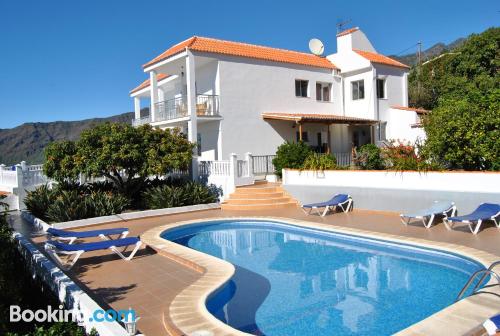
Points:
(341, 24)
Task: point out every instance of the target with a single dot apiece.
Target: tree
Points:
(464, 86)
(290, 155)
(122, 153)
(60, 161)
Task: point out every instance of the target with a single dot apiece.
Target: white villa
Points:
(232, 97)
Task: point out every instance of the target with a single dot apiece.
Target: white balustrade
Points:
(8, 178)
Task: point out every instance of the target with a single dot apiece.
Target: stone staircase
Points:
(260, 196)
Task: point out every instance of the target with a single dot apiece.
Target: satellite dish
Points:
(316, 47)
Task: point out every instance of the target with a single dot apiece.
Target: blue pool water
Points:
(295, 281)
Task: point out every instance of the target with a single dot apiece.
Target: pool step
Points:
(260, 196)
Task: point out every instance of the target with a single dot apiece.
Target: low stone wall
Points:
(116, 218)
(395, 191)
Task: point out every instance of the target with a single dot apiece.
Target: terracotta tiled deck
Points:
(150, 281)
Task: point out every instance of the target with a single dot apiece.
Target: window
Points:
(301, 88)
(323, 91)
(358, 89)
(381, 88)
(305, 136)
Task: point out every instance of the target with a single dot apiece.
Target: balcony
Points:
(206, 106)
(141, 121)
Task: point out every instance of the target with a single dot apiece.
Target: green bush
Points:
(166, 196)
(62, 203)
(101, 203)
(72, 205)
(400, 156)
(39, 200)
(370, 158)
(462, 90)
(58, 329)
(290, 155)
(320, 162)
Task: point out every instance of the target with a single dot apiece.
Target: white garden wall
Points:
(449, 181)
(395, 191)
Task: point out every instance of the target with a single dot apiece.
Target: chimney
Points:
(353, 38)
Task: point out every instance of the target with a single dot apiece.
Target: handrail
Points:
(484, 272)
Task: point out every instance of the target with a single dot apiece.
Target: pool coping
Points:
(188, 315)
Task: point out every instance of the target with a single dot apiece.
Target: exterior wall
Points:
(395, 191)
(354, 40)
(394, 78)
(349, 61)
(209, 133)
(399, 125)
(360, 108)
(206, 79)
(251, 87)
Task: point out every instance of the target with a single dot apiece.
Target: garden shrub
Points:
(67, 205)
(400, 156)
(320, 162)
(39, 200)
(100, 203)
(167, 196)
(369, 157)
(291, 155)
(58, 329)
(61, 204)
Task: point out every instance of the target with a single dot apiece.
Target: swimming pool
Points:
(291, 280)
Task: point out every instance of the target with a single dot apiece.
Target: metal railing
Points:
(343, 159)
(241, 168)
(141, 121)
(175, 108)
(207, 105)
(484, 273)
(171, 109)
(263, 164)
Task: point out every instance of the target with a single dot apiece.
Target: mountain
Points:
(27, 141)
(435, 50)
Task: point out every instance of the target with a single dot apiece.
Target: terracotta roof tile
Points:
(145, 84)
(415, 109)
(381, 59)
(312, 117)
(347, 31)
(216, 46)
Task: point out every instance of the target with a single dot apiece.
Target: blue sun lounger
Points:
(71, 236)
(342, 201)
(485, 211)
(427, 216)
(55, 248)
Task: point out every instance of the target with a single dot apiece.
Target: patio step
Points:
(260, 196)
(258, 190)
(257, 207)
(269, 200)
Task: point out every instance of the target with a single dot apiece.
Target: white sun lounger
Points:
(427, 216)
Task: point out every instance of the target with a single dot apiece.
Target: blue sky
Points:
(70, 60)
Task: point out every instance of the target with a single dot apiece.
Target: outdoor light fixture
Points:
(130, 326)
